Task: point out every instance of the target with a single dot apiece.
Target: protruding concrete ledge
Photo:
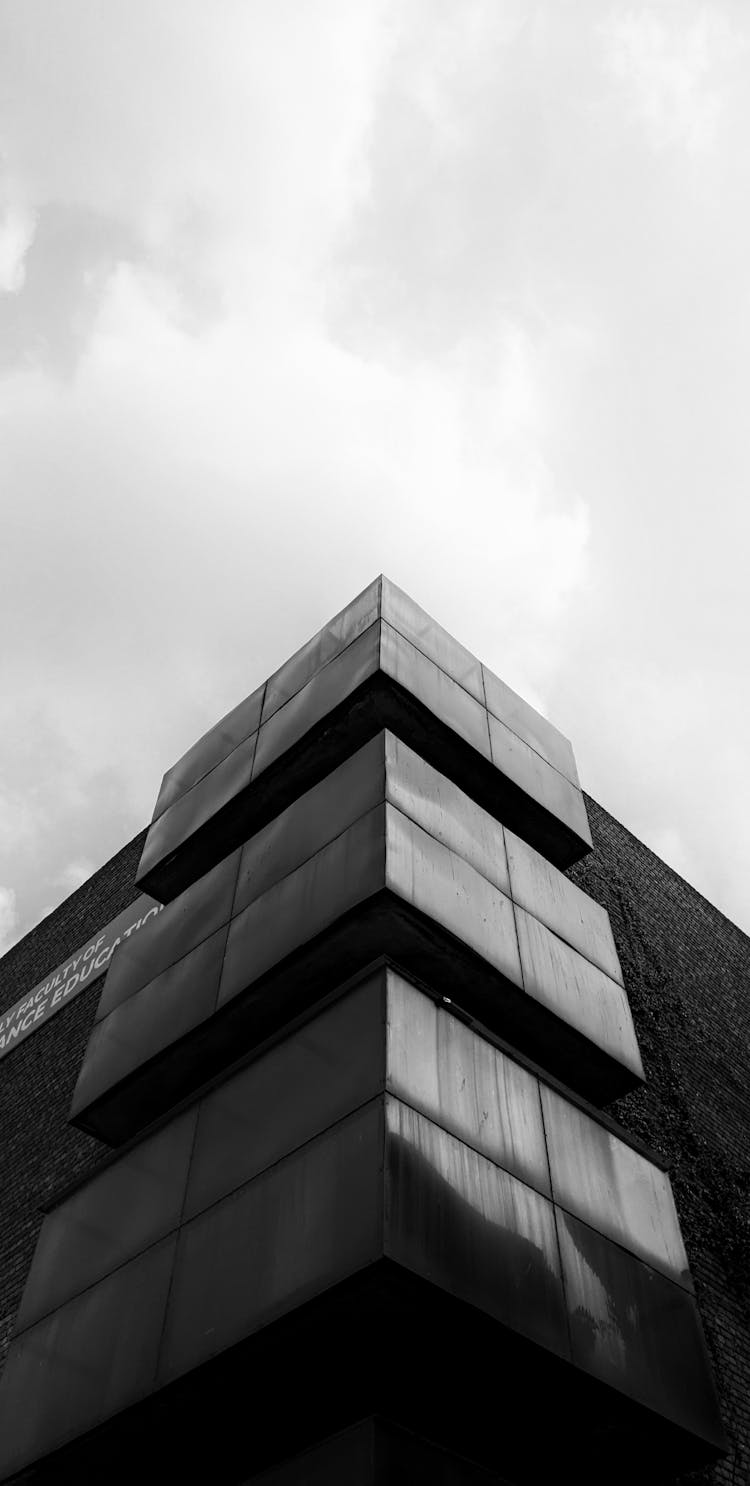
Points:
(398, 1347)
(384, 856)
(340, 1182)
(381, 663)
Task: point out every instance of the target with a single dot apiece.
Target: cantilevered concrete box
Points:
(381, 1132)
(348, 1066)
(383, 856)
(381, 663)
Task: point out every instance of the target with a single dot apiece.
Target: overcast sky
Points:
(293, 292)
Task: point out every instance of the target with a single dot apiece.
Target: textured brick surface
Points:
(687, 972)
(40, 1150)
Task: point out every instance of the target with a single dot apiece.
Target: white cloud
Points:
(675, 62)
(8, 918)
(73, 875)
(16, 235)
(315, 292)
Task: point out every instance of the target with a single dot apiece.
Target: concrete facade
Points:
(684, 969)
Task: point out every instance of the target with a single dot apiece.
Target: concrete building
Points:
(406, 1142)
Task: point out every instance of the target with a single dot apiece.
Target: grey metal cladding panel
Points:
(537, 778)
(343, 874)
(181, 925)
(153, 1019)
(447, 889)
(460, 1081)
(613, 1187)
(636, 1330)
(313, 820)
(547, 894)
(416, 626)
(471, 1228)
(445, 812)
(131, 1204)
(89, 1359)
(320, 1073)
(324, 691)
(215, 745)
(197, 806)
(530, 725)
(577, 991)
(454, 706)
(335, 636)
(289, 1234)
(385, 766)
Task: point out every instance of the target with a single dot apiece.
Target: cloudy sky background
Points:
(297, 291)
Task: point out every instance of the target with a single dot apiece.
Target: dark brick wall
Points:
(687, 971)
(40, 1150)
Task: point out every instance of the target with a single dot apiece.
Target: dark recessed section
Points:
(430, 1367)
(376, 1453)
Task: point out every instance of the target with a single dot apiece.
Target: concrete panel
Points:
(210, 750)
(577, 991)
(637, 1331)
(329, 642)
(463, 1083)
(614, 1188)
(544, 892)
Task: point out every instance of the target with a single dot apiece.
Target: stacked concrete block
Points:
(352, 1076)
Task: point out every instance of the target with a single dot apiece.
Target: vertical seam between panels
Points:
(563, 1285)
(176, 1231)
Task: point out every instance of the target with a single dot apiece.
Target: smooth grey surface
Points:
(383, 851)
(529, 725)
(546, 893)
(408, 666)
(577, 991)
(86, 1361)
(325, 690)
(402, 614)
(179, 928)
(347, 871)
(311, 822)
(445, 811)
(211, 749)
(295, 1230)
(334, 637)
(411, 621)
(323, 1070)
(466, 1225)
(463, 1083)
(112, 1218)
(317, 1075)
(381, 599)
(531, 773)
(613, 1187)
(305, 1170)
(636, 1330)
(198, 805)
(382, 632)
(446, 888)
(151, 1021)
(384, 766)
